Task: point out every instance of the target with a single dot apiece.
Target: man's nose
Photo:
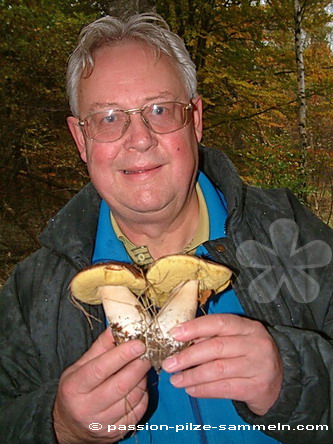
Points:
(138, 135)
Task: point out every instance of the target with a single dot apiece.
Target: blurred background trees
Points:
(249, 67)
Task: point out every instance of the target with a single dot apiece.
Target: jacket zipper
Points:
(198, 419)
(226, 222)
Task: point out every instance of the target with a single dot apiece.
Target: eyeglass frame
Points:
(128, 112)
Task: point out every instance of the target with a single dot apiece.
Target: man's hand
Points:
(232, 357)
(107, 385)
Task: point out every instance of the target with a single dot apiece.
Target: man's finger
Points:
(238, 389)
(95, 371)
(212, 349)
(213, 325)
(125, 406)
(120, 383)
(103, 343)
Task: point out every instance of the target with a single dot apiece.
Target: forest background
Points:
(265, 71)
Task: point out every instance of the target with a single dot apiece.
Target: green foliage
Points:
(279, 167)
(38, 164)
(245, 55)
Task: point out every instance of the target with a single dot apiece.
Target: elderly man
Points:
(262, 355)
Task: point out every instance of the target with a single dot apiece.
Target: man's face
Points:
(142, 173)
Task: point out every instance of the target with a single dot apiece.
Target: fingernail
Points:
(170, 363)
(178, 331)
(176, 379)
(138, 348)
(190, 391)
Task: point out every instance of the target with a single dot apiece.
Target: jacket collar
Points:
(71, 233)
(218, 167)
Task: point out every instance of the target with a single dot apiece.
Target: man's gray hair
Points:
(149, 28)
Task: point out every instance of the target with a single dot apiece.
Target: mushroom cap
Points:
(84, 286)
(168, 272)
(163, 276)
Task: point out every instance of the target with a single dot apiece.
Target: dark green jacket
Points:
(42, 332)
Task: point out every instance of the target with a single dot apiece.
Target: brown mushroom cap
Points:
(85, 284)
(163, 276)
(168, 272)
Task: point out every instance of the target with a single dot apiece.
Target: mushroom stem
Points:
(181, 306)
(125, 314)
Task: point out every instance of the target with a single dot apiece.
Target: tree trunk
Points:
(302, 111)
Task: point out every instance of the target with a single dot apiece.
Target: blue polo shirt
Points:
(173, 415)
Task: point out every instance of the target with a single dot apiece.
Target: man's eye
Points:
(159, 110)
(112, 118)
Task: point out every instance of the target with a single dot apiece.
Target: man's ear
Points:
(78, 136)
(197, 117)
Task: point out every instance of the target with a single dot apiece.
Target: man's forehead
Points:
(120, 47)
(125, 76)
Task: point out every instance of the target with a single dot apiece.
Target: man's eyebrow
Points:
(162, 95)
(96, 106)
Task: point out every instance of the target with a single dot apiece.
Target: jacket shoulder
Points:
(275, 204)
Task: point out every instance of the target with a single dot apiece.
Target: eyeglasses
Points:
(161, 118)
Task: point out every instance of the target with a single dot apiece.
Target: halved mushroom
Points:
(168, 272)
(177, 284)
(131, 300)
(117, 286)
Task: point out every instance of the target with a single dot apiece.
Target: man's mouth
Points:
(135, 171)
(139, 171)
